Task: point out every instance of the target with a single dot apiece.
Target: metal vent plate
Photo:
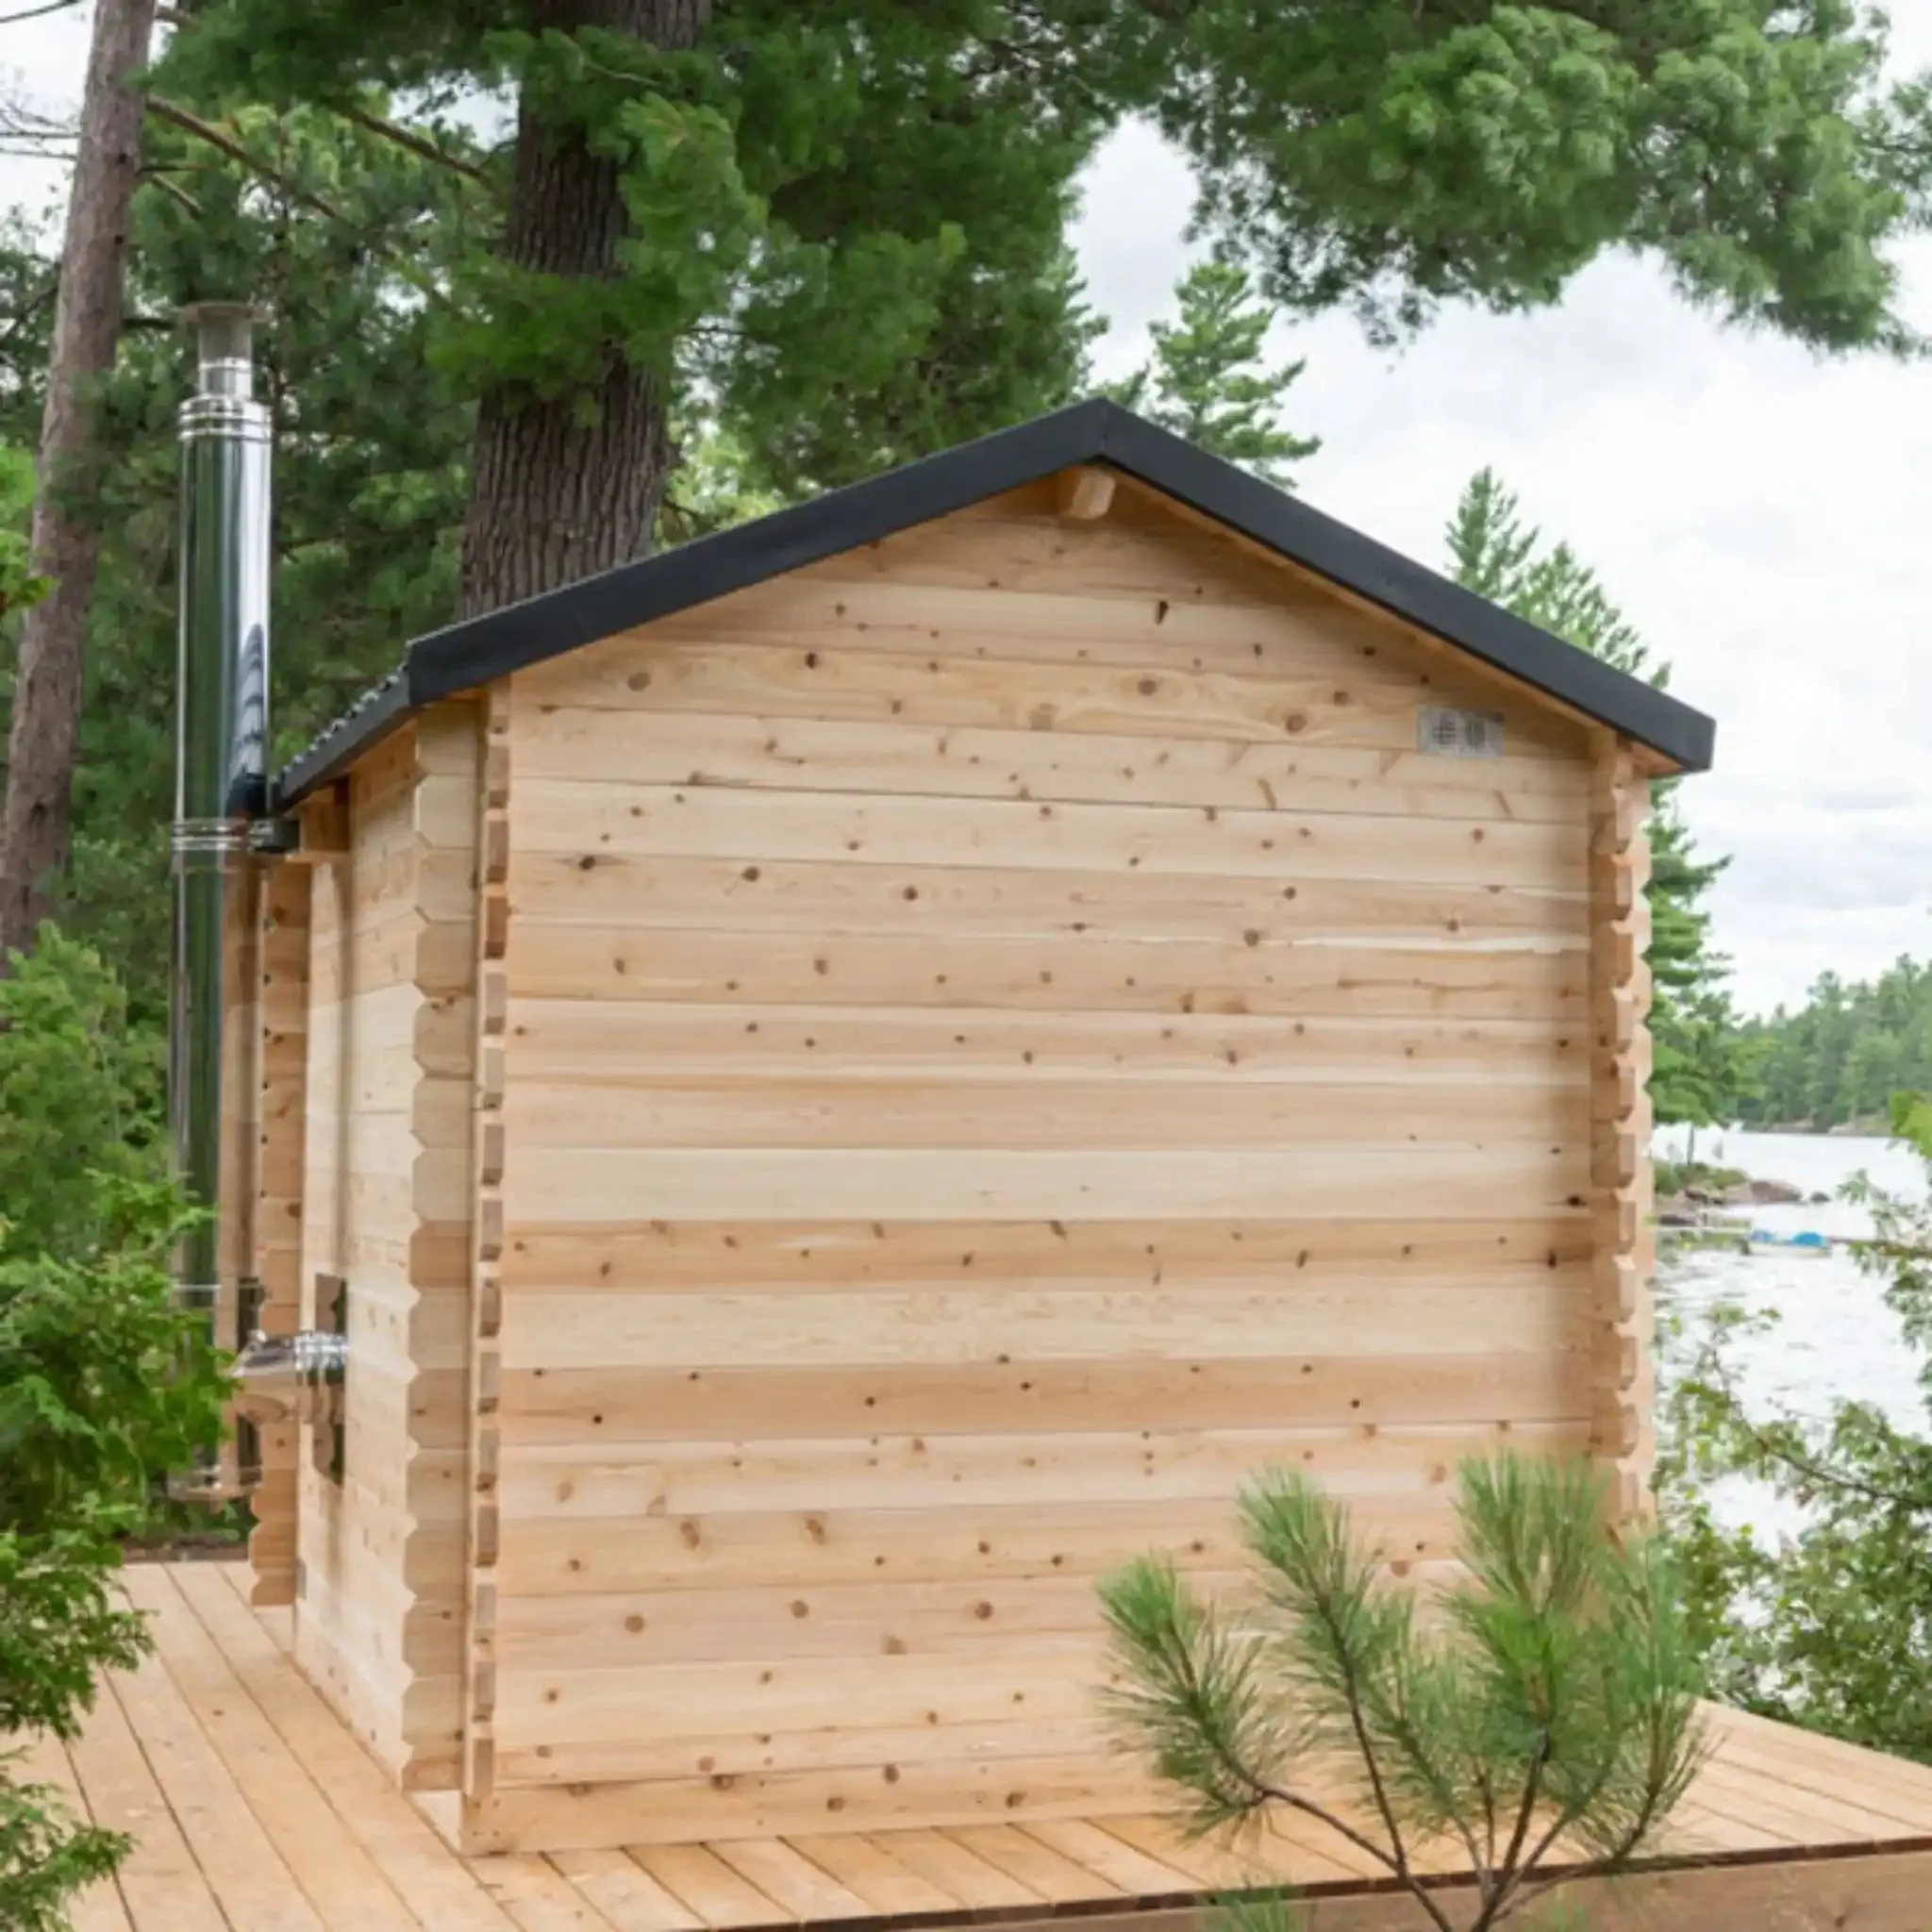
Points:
(1443, 733)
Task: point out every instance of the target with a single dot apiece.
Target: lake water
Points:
(1835, 1336)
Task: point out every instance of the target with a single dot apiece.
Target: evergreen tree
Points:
(349, 245)
(836, 214)
(36, 799)
(1847, 1052)
(1208, 378)
(1548, 1696)
(1704, 1063)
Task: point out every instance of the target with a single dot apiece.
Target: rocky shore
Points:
(1685, 1194)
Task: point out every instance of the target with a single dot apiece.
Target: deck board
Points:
(251, 1882)
(257, 1810)
(161, 1884)
(44, 1762)
(441, 1890)
(624, 1895)
(336, 1874)
(1057, 1880)
(540, 1899)
(889, 1889)
(703, 1881)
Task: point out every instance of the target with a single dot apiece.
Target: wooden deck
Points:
(255, 1811)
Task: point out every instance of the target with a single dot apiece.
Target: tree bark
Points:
(35, 820)
(559, 490)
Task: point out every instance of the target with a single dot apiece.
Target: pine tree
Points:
(349, 243)
(802, 205)
(35, 809)
(838, 233)
(1209, 379)
(1549, 1695)
(1704, 1063)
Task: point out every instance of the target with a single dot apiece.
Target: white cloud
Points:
(1761, 513)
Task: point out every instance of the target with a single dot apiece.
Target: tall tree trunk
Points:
(36, 821)
(559, 490)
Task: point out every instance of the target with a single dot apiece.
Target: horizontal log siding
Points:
(386, 1207)
(1005, 1036)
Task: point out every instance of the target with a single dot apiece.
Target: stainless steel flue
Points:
(220, 800)
(220, 790)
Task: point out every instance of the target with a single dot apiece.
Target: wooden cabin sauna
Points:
(846, 1079)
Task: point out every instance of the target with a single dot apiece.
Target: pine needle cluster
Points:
(1538, 1716)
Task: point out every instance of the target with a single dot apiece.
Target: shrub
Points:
(101, 1380)
(1828, 1622)
(1549, 1696)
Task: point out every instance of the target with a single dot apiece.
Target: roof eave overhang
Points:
(1672, 737)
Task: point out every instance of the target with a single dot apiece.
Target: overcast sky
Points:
(1763, 515)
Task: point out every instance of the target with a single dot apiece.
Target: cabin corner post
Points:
(486, 1285)
(443, 811)
(1623, 1328)
(281, 1163)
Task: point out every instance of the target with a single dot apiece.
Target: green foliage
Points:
(850, 249)
(1209, 379)
(1395, 157)
(850, 220)
(372, 467)
(44, 1857)
(711, 488)
(1673, 1176)
(1706, 1068)
(19, 585)
(1554, 1696)
(1493, 552)
(1829, 1625)
(80, 1100)
(1842, 1056)
(102, 1381)
(847, 227)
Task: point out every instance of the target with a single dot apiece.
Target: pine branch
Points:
(1512, 1895)
(24, 315)
(1488, 1792)
(226, 144)
(1351, 1692)
(35, 13)
(1277, 1794)
(155, 178)
(1412, 1743)
(414, 143)
(1512, 1872)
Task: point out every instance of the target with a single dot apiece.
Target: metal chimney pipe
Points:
(220, 788)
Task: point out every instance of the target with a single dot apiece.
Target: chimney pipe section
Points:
(220, 789)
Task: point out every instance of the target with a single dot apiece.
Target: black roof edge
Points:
(481, 649)
(1410, 590)
(328, 756)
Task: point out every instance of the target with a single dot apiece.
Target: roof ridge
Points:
(477, 650)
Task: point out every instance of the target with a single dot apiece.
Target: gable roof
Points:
(481, 649)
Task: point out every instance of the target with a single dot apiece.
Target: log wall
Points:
(1624, 1435)
(283, 1128)
(1005, 1034)
(387, 1208)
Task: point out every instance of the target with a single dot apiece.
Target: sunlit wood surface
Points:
(255, 1810)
